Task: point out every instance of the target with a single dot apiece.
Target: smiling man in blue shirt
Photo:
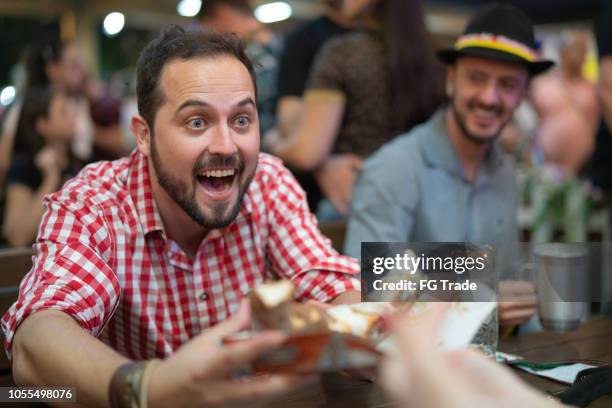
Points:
(447, 180)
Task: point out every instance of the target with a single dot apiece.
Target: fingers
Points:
(239, 321)
(530, 303)
(339, 193)
(259, 387)
(336, 179)
(421, 370)
(354, 161)
(345, 197)
(515, 320)
(341, 204)
(479, 370)
(414, 334)
(237, 355)
(514, 313)
(345, 191)
(395, 377)
(509, 290)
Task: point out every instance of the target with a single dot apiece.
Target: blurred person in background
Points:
(263, 46)
(365, 88)
(567, 107)
(58, 65)
(46, 128)
(449, 180)
(299, 51)
(600, 169)
(605, 82)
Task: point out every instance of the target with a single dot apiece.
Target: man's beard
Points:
(476, 139)
(179, 191)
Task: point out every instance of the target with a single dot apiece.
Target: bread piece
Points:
(273, 308)
(270, 304)
(365, 320)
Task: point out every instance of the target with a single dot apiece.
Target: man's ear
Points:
(140, 129)
(526, 88)
(524, 92)
(450, 81)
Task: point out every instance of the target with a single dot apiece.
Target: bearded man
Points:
(141, 264)
(448, 180)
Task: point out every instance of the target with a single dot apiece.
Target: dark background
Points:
(121, 51)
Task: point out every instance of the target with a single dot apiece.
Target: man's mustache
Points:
(213, 162)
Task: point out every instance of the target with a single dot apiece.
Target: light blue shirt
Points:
(414, 190)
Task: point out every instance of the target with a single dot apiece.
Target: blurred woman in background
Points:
(41, 162)
(59, 66)
(365, 88)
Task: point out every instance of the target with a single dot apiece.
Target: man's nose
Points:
(490, 95)
(222, 142)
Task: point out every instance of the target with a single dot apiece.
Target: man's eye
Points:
(196, 123)
(509, 85)
(476, 78)
(242, 121)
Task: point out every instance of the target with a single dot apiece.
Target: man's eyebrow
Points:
(192, 102)
(196, 102)
(246, 101)
(477, 71)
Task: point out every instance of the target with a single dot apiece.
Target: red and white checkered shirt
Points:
(103, 258)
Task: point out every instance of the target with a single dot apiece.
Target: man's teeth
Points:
(218, 173)
(485, 113)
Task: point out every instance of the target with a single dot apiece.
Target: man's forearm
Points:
(51, 349)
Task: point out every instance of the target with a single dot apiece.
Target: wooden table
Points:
(592, 341)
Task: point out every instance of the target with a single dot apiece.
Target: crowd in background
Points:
(356, 97)
(330, 93)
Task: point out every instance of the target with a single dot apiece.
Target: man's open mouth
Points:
(217, 181)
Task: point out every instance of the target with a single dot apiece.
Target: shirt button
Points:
(203, 297)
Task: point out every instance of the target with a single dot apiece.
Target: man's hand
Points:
(200, 373)
(421, 375)
(517, 302)
(49, 162)
(336, 178)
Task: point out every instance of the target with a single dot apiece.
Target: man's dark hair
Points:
(175, 42)
(209, 7)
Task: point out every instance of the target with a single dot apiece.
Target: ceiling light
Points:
(189, 8)
(273, 12)
(113, 23)
(7, 96)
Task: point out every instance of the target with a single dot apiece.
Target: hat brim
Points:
(449, 56)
